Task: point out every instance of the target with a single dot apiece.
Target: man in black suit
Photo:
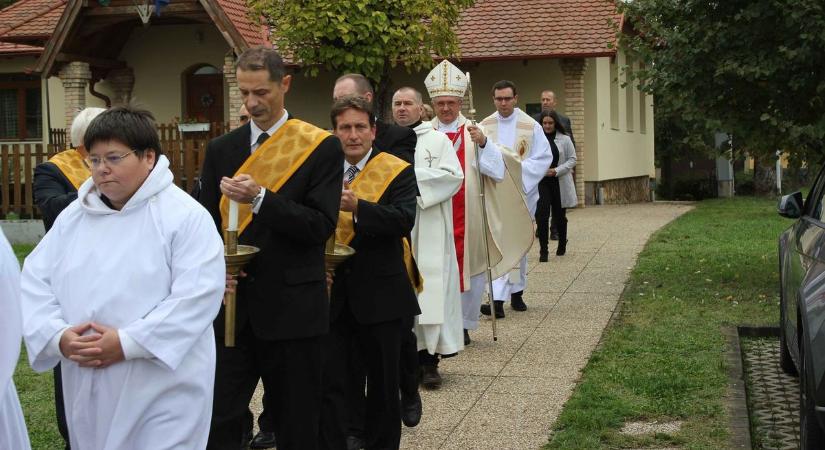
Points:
(282, 302)
(398, 141)
(389, 137)
(55, 186)
(372, 293)
(548, 103)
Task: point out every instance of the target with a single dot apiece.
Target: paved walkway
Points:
(507, 394)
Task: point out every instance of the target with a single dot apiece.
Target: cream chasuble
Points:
(510, 225)
(154, 271)
(439, 176)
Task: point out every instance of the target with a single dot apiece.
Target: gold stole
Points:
(370, 185)
(72, 166)
(524, 133)
(274, 162)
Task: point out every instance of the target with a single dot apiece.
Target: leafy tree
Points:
(755, 68)
(364, 36)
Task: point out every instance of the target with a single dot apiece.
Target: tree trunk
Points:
(764, 175)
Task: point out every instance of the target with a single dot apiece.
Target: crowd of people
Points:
(122, 298)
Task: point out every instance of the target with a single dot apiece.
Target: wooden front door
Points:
(204, 98)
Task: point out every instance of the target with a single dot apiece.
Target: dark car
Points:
(802, 306)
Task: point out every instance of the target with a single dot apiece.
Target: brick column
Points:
(234, 94)
(122, 82)
(573, 70)
(75, 77)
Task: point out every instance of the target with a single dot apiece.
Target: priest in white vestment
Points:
(438, 328)
(122, 292)
(509, 231)
(13, 434)
(511, 128)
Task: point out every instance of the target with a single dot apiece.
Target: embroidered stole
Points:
(369, 185)
(72, 166)
(274, 162)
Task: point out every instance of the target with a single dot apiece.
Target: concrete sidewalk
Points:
(507, 394)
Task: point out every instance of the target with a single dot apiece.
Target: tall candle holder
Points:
(335, 253)
(236, 257)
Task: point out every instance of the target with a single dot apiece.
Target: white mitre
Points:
(446, 79)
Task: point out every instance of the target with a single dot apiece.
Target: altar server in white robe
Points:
(511, 128)
(509, 232)
(122, 292)
(13, 433)
(439, 326)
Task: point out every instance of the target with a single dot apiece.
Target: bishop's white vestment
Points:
(523, 136)
(154, 271)
(509, 231)
(438, 173)
(13, 434)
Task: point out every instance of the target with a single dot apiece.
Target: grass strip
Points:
(662, 358)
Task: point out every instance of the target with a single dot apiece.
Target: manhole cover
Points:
(773, 396)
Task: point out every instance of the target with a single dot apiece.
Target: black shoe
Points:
(543, 256)
(562, 248)
(355, 443)
(516, 302)
(264, 439)
(247, 439)
(430, 377)
(498, 305)
(467, 340)
(411, 410)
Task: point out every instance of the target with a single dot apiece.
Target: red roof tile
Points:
(7, 48)
(499, 29)
(30, 20)
(238, 13)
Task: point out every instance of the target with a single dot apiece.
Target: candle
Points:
(233, 216)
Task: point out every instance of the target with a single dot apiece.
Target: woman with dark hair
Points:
(557, 192)
(122, 292)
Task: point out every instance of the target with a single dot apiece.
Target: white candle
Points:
(233, 216)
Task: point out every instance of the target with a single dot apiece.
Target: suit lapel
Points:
(240, 149)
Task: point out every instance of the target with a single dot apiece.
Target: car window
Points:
(815, 200)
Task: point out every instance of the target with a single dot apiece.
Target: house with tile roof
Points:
(59, 56)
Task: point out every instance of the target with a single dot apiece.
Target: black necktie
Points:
(262, 138)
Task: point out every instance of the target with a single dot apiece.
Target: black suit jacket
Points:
(373, 283)
(565, 122)
(284, 293)
(52, 192)
(397, 140)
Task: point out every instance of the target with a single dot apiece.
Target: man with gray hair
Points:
(438, 172)
(55, 186)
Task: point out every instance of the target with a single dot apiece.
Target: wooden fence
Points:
(17, 162)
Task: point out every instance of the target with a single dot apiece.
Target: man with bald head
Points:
(396, 140)
(438, 171)
(548, 103)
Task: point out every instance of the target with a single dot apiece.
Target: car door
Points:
(805, 271)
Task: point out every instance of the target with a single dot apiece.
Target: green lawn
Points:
(663, 357)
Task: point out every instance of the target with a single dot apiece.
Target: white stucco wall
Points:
(310, 98)
(622, 152)
(160, 54)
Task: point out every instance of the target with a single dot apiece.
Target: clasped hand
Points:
(241, 188)
(98, 349)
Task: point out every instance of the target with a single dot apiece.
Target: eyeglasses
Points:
(110, 160)
(503, 99)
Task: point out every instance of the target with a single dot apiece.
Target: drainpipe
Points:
(98, 94)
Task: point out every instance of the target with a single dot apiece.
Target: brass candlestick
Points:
(334, 254)
(236, 257)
